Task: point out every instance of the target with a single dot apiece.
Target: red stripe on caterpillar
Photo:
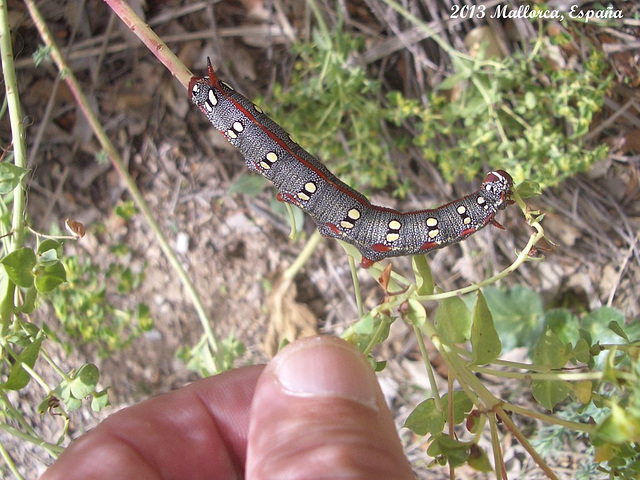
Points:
(339, 210)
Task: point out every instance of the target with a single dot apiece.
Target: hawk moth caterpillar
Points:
(338, 210)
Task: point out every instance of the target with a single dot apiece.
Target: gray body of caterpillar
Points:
(338, 210)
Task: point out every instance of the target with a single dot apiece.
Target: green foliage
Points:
(513, 114)
(86, 314)
(485, 343)
(583, 370)
(332, 108)
(200, 357)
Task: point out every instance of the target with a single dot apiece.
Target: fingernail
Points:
(326, 367)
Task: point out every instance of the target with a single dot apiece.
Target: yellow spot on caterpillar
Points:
(237, 126)
(432, 222)
(354, 214)
(212, 98)
(303, 196)
(433, 233)
(346, 224)
(265, 165)
(467, 220)
(258, 109)
(310, 187)
(394, 225)
(461, 209)
(392, 237)
(272, 157)
(231, 134)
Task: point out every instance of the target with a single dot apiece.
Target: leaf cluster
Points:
(586, 364)
(522, 114)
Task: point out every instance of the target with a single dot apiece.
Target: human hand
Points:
(314, 412)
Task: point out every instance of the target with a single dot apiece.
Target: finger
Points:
(318, 413)
(199, 431)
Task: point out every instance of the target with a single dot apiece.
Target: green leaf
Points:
(380, 366)
(618, 427)
(85, 381)
(365, 325)
(422, 272)
(125, 210)
(598, 326)
(479, 460)
(73, 404)
(100, 400)
(29, 303)
(19, 266)
(517, 313)
(562, 323)
(417, 315)
(598, 323)
(455, 452)
(50, 244)
(10, 177)
(48, 278)
(462, 405)
(581, 351)
(453, 320)
(617, 329)
(19, 378)
(485, 343)
(551, 352)
(530, 100)
(549, 393)
(425, 418)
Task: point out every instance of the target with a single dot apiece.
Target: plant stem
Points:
(499, 467)
(303, 256)
(117, 163)
(581, 427)
(525, 443)
(356, 285)
(19, 158)
(427, 365)
(151, 40)
(555, 375)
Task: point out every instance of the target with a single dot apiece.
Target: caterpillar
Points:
(338, 210)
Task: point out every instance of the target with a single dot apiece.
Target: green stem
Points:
(319, 18)
(356, 285)
(50, 447)
(427, 365)
(9, 462)
(525, 443)
(303, 257)
(117, 163)
(498, 460)
(375, 339)
(9, 299)
(580, 427)
(576, 377)
(17, 415)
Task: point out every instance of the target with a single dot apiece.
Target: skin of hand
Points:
(314, 412)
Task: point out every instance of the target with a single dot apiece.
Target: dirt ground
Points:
(232, 246)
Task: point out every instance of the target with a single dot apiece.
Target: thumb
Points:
(318, 413)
